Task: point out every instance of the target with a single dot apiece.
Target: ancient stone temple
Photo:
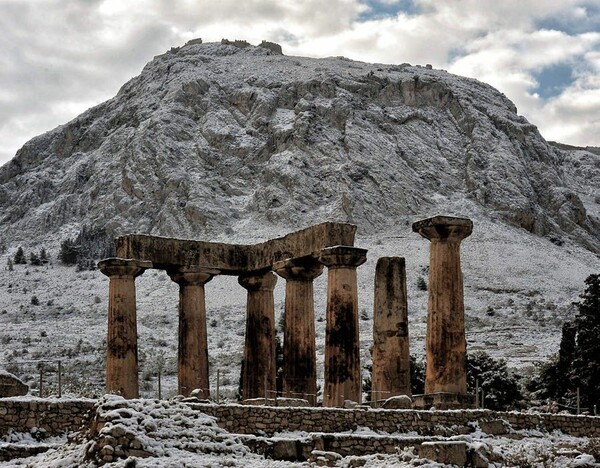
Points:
(298, 258)
(446, 376)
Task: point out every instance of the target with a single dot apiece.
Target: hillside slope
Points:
(212, 138)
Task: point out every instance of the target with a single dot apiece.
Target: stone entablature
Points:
(233, 259)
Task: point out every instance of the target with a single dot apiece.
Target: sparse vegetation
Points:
(577, 363)
(20, 257)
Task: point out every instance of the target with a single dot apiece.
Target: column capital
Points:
(123, 267)
(342, 256)
(443, 228)
(299, 269)
(186, 276)
(258, 282)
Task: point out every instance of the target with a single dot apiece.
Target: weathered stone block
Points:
(10, 385)
(452, 452)
(494, 427)
(398, 402)
(285, 450)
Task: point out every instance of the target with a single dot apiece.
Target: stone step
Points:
(300, 448)
(12, 451)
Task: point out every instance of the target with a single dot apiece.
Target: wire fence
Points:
(57, 377)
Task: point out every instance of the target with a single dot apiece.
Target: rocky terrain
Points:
(216, 142)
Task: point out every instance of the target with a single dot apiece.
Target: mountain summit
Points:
(213, 138)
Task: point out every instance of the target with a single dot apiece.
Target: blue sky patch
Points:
(553, 80)
(379, 9)
(591, 22)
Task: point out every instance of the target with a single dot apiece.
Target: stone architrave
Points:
(121, 340)
(259, 367)
(446, 345)
(342, 347)
(192, 358)
(299, 352)
(391, 356)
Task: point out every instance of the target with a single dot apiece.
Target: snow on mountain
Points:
(232, 144)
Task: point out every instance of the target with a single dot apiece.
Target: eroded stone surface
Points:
(11, 385)
(445, 344)
(391, 355)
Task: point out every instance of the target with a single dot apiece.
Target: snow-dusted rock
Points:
(11, 385)
(213, 137)
(398, 402)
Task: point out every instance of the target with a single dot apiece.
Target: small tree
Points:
(20, 257)
(577, 364)
(34, 259)
(501, 387)
(44, 256)
(417, 375)
(586, 355)
(9, 265)
(69, 252)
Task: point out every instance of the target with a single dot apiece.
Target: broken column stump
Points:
(391, 355)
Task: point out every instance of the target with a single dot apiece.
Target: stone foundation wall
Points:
(55, 417)
(52, 416)
(268, 420)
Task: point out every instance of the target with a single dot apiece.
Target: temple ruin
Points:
(299, 258)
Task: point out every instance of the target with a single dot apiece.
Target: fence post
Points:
(159, 386)
(578, 401)
(476, 393)
(59, 379)
(482, 399)
(41, 379)
(218, 384)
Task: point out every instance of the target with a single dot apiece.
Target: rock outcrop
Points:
(210, 137)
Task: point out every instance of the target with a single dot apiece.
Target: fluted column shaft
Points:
(391, 354)
(342, 344)
(121, 339)
(299, 352)
(259, 366)
(192, 356)
(446, 344)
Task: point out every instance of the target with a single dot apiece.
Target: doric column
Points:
(391, 355)
(121, 340)
(446, 345)
(259, 366)
(192, 358)
(299, 353)
(342, 347)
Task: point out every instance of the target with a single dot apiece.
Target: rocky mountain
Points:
(216, 139)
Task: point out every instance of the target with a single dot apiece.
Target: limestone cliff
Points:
(210, 138)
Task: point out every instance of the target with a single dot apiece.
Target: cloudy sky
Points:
(59, 57)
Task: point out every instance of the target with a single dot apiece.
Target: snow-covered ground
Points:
(152, 433)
